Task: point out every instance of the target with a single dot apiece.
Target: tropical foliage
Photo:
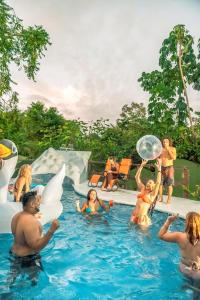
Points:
(19, 46)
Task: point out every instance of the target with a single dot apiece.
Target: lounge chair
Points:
(124, 169)
(97, 179)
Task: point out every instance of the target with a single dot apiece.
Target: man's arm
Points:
(33, 237)
(172, 152)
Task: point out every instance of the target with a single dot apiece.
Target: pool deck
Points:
(178, 205)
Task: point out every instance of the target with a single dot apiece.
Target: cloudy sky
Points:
(99, 49)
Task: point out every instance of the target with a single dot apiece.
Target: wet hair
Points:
(88, 195)
(193, 227)
(169, 139)
(27, 197)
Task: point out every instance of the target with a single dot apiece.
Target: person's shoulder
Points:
(21, 179)
(27, 219)
(16, 216)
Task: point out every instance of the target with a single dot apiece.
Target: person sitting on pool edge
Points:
(93, 205)
(188, 242)
(23, 182)
(147, 196)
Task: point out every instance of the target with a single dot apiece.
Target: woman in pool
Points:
(93, 205)
(23, 182)
(147, 196)
(188, 241)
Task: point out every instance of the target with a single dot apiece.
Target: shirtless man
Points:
(147, 196)
(168, 156)
(28, 239)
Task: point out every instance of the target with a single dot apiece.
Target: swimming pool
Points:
(100, 258)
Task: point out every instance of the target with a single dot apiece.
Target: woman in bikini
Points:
(93, 205)
(188, 241)
(146, 197)
(23, 182)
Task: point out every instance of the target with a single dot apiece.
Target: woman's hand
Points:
(144, 162)
(77, 203)
(172, 218)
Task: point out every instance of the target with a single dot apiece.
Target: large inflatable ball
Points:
(149, 147)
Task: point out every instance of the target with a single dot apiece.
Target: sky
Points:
(99, 50)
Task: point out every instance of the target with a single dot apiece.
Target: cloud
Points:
(99, 50)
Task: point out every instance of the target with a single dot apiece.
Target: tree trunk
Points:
(185, 89)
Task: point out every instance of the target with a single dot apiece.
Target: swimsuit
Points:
(143, 220)
(99, 210)
(189, 271)
(167, 175)
(29, 264)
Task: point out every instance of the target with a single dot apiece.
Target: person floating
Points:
(23, 182)
(167, 156)
(146, 197)
(28, 239)
(188, 242)
(93, 205)
(110, 174)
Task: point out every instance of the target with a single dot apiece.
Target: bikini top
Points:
(143, 196)
(89, 210)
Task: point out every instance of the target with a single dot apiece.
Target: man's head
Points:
(31, 202)
(167, 142)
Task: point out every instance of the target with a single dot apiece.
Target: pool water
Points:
(100, 258)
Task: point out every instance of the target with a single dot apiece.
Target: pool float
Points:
(51, 206)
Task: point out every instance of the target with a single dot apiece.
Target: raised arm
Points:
(158, 179)
(173, 237)
(140, 184)
(78, 208)
(104, 206)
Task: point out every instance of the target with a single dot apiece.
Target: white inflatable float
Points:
(51, 206)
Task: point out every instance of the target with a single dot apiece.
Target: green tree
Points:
(22, 46)
(169, 101)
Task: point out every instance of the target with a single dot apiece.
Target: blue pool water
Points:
(100, 258)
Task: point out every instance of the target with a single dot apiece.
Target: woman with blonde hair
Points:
(23, 182)
(188, 241)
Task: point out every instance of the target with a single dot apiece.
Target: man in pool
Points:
(168, 156)
(28, 239)
(147, 196)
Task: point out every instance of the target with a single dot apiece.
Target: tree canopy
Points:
(21, 46)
